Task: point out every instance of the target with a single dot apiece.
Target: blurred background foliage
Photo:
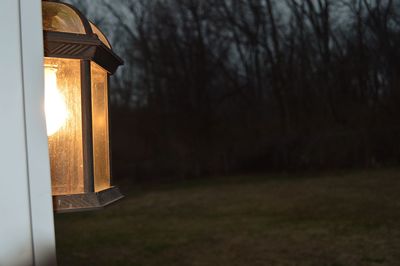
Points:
(222, 87)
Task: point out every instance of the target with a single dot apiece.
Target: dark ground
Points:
(336, 219)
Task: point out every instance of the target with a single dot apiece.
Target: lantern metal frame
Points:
(87, 48)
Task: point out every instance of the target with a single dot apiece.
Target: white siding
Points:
(26, 218)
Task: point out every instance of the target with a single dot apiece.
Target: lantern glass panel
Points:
(64, 124)
(99, 34)
(101, 154)
(61, 18)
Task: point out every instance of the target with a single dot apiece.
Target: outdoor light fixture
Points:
(77, 65)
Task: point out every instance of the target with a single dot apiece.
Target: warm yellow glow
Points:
(55, 107)
(64, 120)
(101, 150)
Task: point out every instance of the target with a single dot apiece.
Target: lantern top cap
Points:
(62, 17)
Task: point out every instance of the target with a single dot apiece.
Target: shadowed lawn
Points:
(337, 219)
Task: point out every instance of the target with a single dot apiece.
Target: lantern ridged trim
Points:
(78, 62)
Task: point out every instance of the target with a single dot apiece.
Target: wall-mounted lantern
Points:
(78, 62)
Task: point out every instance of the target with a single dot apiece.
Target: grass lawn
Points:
(350, 218)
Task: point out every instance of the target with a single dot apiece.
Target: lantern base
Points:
(86, 201)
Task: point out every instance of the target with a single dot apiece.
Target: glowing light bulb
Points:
(55, 107)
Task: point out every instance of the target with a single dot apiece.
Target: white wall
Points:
(26, 217)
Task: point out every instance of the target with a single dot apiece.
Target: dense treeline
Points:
(213, 87)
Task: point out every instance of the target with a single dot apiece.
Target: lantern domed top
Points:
(69, 34)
